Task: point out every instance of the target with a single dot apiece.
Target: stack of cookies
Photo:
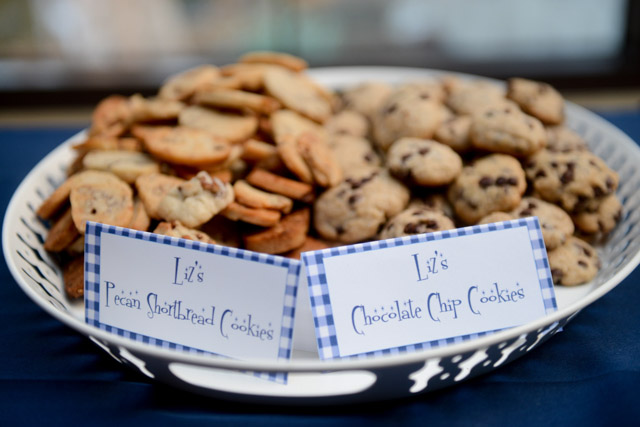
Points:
(257, 155)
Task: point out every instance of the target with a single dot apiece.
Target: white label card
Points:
(428, 290)
(189, 295)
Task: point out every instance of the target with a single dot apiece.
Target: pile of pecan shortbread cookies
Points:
(259, 156)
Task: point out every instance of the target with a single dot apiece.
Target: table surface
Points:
(587, 375)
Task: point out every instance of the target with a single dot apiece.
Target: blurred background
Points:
(67, 54)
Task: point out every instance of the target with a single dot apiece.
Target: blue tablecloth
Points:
(587, 375)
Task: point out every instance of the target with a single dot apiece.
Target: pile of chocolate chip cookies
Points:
(259, 156)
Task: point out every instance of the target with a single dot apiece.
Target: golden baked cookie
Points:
(62, 233)
(152, 188)
(255, 198)
(293, 63)
(183, 145)
(574, 263)
(60, 196)
(280, 185)
(237, 99)
(296, 92)
(226, 126)
(176, 229)
(252, 215)
(126, 165)
(539, 99)
(182, 85)
(111, 117)
(288, 234)
(196, 201)
(108, 203)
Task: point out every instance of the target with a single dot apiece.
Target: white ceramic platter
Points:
(311, 381)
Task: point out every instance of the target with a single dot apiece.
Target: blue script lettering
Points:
(427, 265)
(361, 317)
(121, 300)
(245, 326)
(177, 310)
(493, 295)
(435, 304)
(190, 274)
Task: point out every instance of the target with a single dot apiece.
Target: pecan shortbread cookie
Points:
(287, 123)
(99, 142)
(356, 208)
(140, 219)
(62, 233)
(320, 159)
(109, 203)
(183, 145)
(111, 117)
(293, 63)
(257, 216)
(126, 165)
(310, 244)
(60, 196)
(296, 92)
(492, 183)
(176, 229)
(253, 197)
(181, 86)
(288, 234)
(280, 185)
(246, 76)
(237, 99)
(196, 201)
(153, 109)
(152, 188)
(227, 126)
(73, 277)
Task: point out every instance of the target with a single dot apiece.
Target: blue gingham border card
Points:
(92, 281)
(321, 307)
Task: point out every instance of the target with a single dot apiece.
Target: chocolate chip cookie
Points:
(355, 209)
(423, 162)
(454, 132)
(416, 220)
(366, 98)
(407, 114)
(555, 223)
(492, 183)
(540, 100)
(574, 263)
(352, 152)
(562, 139)
(507, 130)
(600, 219)
(570, 179)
